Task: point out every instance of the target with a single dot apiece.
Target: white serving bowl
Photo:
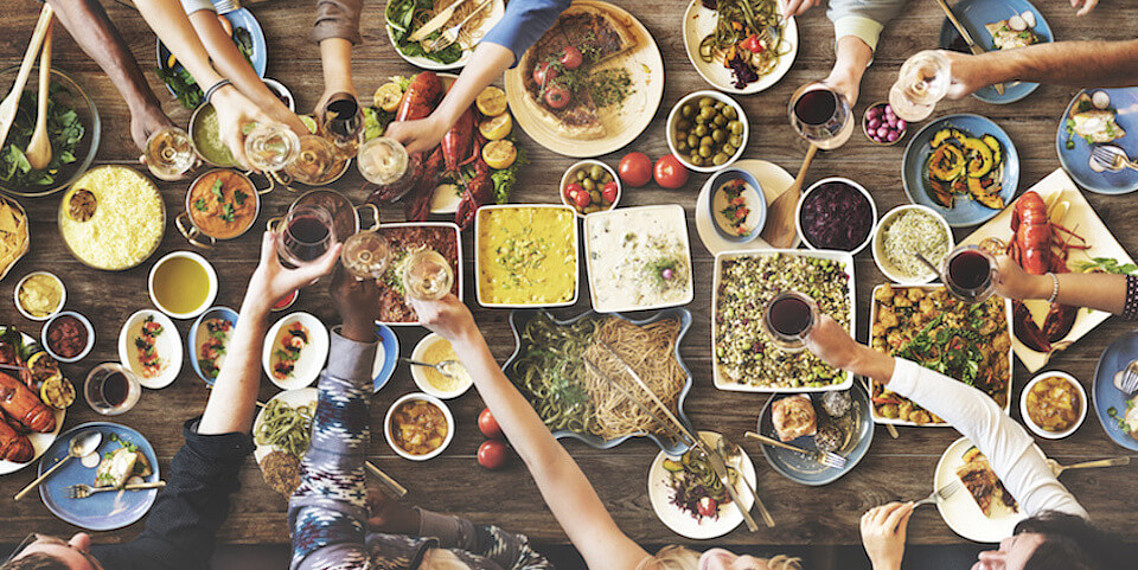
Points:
(58, 308)
(1034, 427)
(419, 373)
(168, 345)
(675, 112)
(210, 295)
(429, 398)
(565, 181)
(312, 356)
(848, 182)
(884, 265)
(86, 324)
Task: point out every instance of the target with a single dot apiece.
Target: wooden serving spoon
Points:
(12, 102)
(39, 148)
(780, 231)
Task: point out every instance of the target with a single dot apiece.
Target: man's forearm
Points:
(336, 61)
(1077, 64)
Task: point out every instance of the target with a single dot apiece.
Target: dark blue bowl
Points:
(760, 204)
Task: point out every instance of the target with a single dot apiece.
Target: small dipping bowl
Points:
(1038, 429)
(428, 398)
(165, 264)
(56, 320)
(754, 196)
(570, 177)
(59, 306)
(420, 373)
(877, 115)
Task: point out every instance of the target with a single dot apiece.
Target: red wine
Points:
(115, 389)
(790, 316)
(969, 270)
(816, 107)
(307, 237)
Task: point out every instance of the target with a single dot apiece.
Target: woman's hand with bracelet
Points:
(1016, 284)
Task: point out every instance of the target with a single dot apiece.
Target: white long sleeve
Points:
(1014, 457)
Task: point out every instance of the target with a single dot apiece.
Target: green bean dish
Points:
(741, 41)
(285, 427)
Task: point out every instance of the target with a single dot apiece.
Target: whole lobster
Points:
(1038, 249)
(421, 97)
(14, 446)
(22, 405)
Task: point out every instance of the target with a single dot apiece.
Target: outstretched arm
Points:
(1075, 64)
(1112, 293)
(563, 485)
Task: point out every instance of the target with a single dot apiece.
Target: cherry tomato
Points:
(571, 191)
(752, 44)
(610, 191)
(571, 57)
(493, 454)
(582, 199)
(635, 169)
(542, 72)
(670, 173)
(557, 96)
(489, 426)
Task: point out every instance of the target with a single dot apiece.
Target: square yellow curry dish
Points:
(526, 256)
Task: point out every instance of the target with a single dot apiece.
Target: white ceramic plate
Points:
(168, 345)
(840, 256)
(960, 511)
(419, 373)
(40, 441)
(478, 261)
(774, 181)
(496, 9)
(669, 218)
(294, 398)
(312, 356)
(700, 21)
(682, 522)
(885, 266)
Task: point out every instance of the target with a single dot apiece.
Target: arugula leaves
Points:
(64, 130)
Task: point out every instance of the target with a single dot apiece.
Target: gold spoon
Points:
(39, 148)
(82, 444)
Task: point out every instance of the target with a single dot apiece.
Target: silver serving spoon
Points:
(448, 368)
(82, 444)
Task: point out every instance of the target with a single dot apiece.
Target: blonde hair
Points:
(676, 557)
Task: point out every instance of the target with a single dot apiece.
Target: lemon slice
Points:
(388, 95)
(497, 127)
(499, 154)
(491, 101)
(57, 392)
(43, 367)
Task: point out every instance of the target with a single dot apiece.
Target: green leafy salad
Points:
(406, 16)
(64, 130)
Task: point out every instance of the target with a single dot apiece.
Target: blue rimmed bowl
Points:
(193, 343)
(519, 318)
(757, 201)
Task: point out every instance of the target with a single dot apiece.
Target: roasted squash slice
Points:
(988, 196)
(979, 157)
(997, 150)
(941, 136)
(946, 163)
(941, 193)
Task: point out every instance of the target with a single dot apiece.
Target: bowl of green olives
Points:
(590, 186)
(707, 131)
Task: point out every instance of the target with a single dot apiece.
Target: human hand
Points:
(1088, 5)
(146, 122)
(281, 114)
(357, 302)
(234, 112)
(389, 516)
(272, 281)
(883, 531)
(1016, 284)
(968, 74)
(799, 7)
(448, 317)
(418, 136)
(833, 344)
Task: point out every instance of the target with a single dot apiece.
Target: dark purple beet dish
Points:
(837, 216)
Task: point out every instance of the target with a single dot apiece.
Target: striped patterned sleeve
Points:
(328, 512)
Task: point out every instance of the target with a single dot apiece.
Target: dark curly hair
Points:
(35, 561)
(1072, 543)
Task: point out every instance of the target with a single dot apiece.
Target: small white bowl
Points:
(565, 181)
(86, 324)
(882, 260)
(429, 398)
(168, 345)
(848, 182)
(281, 92)
(312, 356)
(1035, 428)
(210, 295)
(669, 128)
(419, 373)
(58, 308)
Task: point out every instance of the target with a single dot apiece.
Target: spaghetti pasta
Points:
(738, 21)
(285, 427)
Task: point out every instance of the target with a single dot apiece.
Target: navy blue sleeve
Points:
(524, 22)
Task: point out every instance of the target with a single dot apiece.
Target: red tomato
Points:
(670, 173)
(571, 191)
(635, 169)
(752, 44)
(571, 57)
(542, 72)
(489, 426)
(610, 191)
(557, 96)
(582, 199)
(493, 454)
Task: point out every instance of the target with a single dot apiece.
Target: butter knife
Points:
(435, 23)
(972, 45)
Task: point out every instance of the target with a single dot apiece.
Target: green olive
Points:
(720, 120)
(683, 125)
(736, 127)
(693, 141)
(687, 111)
(706, 102)
(729, 150)
(706, 141)
(595, 195)
(682, 146)
(591, 208)
(581, 174)
(719, 136)
(736, 141)
(606, 178)
(705, 151)
(595, 171)
(696, 159)
(700, 131)
(588, 184)
(730, 113)
(720, 159)
(706, 114)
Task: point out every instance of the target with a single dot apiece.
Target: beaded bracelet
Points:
(1054, 288)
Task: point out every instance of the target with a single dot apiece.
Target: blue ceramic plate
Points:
(192, 341)
(797, 467)
(385, 356)
(102, 511)
(1076, 161)
(1105, 396)
(974, 14)
(240, 18)
(518, 320)
(966, 211)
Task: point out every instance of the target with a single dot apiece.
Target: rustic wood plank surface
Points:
(894, 469)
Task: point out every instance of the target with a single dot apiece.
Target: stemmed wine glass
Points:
(341, 121)
(366, 255)
(317, 163)
(923, 81)
(427, 276)
(970, 273)
(382, 161)
(170, 153)
(821, 115)
(271, 147)
(307, 233)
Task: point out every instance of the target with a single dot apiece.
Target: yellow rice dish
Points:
(112, 218)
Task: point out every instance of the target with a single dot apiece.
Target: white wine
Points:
(270, 148)
(923, 81)
(427, 276)
(382, 161)
(366, 254)
(170, 153)
(317, 163)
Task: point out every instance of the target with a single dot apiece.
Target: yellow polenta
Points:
(527, 255)
(123, 225)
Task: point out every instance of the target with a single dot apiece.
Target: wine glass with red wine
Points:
(969, 273)
(821, 115)
(307, 233)
(788, 319)
(111, 389)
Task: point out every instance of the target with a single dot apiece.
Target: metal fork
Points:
(770, 36)
(827, 458)
(941, 494)
(226, 6)
(1112, 157)
(82, 491)
(1127, 378)
(450, 35)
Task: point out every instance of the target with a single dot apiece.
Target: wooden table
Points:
(894, 469)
